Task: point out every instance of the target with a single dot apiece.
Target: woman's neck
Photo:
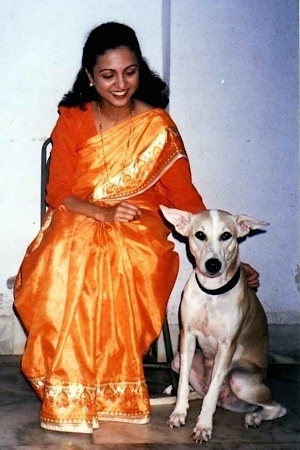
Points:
(112, 115)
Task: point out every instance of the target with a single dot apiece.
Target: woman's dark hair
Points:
(152, 89)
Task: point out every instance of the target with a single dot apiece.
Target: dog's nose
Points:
(213, 265)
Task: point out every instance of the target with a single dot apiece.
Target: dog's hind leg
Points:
(249, 387)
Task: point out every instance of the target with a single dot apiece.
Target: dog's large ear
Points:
(180, 219)
(246, 223)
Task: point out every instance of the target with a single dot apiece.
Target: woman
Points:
(93, 287)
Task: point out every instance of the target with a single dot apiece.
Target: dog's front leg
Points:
(203, 429)
(187, 350)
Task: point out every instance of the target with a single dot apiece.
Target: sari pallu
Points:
(92, 296)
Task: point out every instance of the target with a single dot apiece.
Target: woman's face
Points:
(116, 76)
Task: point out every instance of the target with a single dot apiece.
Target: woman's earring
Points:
(91, 84)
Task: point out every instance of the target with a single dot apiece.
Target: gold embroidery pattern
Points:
(133, 397)
(76, 407)
(69, 398)
(137, 173)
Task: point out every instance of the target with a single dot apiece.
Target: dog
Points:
(220, 311)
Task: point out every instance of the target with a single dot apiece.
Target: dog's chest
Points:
(211, 318)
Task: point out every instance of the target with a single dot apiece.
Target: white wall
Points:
(234, 96)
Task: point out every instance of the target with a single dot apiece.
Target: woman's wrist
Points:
(98, 213)
(84, 207)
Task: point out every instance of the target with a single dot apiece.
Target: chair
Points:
(150, 360)
(45, 162)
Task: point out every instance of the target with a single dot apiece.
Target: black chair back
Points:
(45, 161)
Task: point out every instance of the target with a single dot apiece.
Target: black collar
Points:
(223, 289)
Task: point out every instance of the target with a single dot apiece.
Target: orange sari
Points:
(92, 296)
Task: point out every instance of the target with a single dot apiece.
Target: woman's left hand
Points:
(252, 276)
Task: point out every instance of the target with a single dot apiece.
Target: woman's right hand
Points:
(122, 212)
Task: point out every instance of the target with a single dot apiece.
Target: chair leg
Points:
(167, 341)
(170, 355)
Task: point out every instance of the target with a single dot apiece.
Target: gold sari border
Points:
(171, 160)
(70, 427)
(141, 419)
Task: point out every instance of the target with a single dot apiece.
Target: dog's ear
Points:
(246, 223)
(180, 219)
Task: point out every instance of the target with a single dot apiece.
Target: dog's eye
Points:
(200, 235)
(225, 236)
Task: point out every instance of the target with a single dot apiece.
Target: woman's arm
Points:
(180, 190)
(63, 158)
(122, 212)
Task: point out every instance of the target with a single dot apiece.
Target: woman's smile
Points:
(119, 94)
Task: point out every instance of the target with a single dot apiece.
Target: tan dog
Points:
(223, 313)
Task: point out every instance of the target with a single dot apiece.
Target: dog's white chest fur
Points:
(212, 318)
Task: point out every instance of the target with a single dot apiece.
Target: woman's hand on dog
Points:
(252, 276)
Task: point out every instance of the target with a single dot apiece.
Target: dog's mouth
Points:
(212, 275)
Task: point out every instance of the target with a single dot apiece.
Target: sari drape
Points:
(91, 295)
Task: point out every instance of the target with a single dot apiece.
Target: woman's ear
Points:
(89, 77)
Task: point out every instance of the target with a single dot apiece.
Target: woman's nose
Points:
(121, 83)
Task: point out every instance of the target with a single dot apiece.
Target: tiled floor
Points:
(20, 429)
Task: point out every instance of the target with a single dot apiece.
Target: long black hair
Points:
(111, 35)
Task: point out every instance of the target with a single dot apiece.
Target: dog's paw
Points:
(176, 420)
(253, 419)
(201, 434)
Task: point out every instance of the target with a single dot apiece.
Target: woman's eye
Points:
(225, 236)
(132, 72)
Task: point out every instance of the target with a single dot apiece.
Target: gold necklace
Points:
(127, 146)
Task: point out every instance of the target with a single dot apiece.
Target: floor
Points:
(19, 419)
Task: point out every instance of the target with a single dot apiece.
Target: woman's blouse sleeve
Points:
(63, 159)
(180, 191)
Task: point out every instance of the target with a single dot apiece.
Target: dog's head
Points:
(213, 236)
